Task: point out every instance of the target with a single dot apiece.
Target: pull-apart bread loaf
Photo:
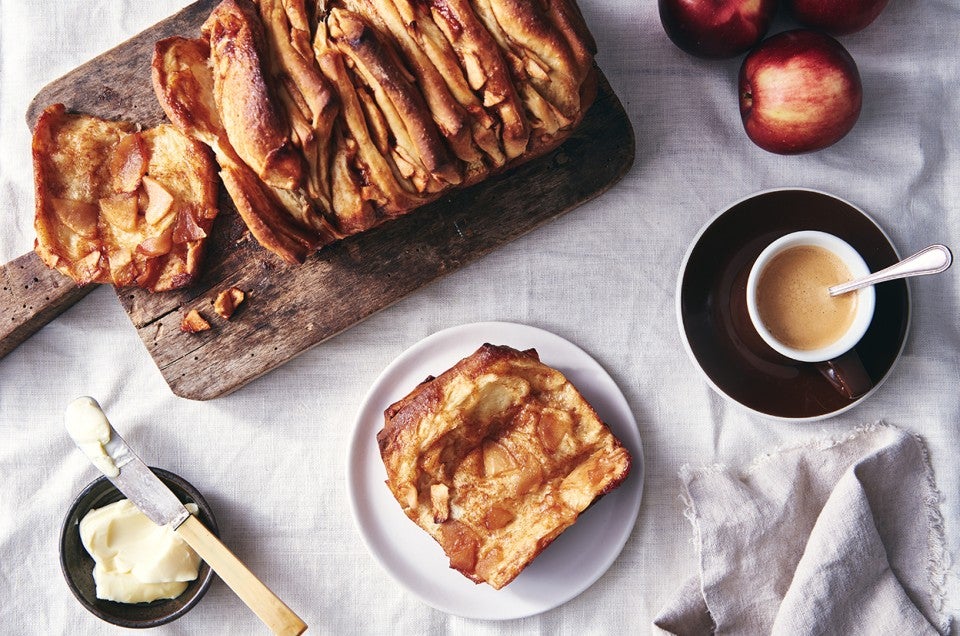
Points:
(119, 205)
(495, 458)
(328, 118)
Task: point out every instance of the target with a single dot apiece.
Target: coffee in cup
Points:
(793, 301)
(791, 309)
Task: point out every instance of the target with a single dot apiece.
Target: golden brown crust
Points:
(266, 219)
(184, 86)
(417, 141)
(121, 206)
(486, 71)
(389, 106)
(540, 59)
(255, 125)
(367, 185)
(495, 458)
(429, 60)
(306, 95)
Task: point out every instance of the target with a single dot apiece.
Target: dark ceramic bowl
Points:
(77, 565)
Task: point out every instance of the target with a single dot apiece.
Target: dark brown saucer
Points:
(77, 565)
(712, 313)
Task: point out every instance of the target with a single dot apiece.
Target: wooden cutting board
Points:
(292, 308)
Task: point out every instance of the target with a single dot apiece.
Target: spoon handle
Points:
(930, 260)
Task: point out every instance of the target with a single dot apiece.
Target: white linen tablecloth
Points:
(271, 457)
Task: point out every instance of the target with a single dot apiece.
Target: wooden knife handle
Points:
(31, 295)
(264, 603)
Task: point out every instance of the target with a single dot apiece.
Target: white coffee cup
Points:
(865, 301)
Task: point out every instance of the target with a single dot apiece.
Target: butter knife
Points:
(93, 434)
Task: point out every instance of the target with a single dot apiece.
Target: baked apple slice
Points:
(119, 205)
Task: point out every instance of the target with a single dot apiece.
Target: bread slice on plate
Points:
(495, 458)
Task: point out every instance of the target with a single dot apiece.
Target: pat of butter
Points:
(137, 561)
(90, 430)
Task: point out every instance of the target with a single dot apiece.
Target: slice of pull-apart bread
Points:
(118, 205)
(279, 219)
(495, 458)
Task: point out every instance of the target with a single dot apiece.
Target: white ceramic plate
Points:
(570, 564)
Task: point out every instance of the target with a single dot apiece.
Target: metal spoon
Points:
(929, 260)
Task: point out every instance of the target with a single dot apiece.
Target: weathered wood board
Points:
(292, 308)
(31, 295)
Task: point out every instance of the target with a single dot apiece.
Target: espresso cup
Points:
(793, 313)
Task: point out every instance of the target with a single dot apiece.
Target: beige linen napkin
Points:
(838, 536)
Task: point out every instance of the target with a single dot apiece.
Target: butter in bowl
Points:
(98, 507)
(93, 434)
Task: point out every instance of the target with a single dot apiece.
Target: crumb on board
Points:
(227, 302)
(193, 322)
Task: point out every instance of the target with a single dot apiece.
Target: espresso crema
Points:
(794, 302)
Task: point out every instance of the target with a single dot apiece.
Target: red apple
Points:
(799, 91)
(716, 29)
(838, 17)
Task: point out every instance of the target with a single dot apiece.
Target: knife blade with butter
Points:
(91, 431)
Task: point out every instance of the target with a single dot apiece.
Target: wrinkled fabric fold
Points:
(834, 536)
